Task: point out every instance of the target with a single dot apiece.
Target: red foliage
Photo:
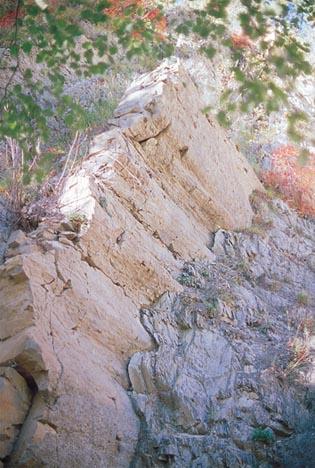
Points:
(294, 180)
(152, 15)
(118, 6)
(8, 20)
(241, 41)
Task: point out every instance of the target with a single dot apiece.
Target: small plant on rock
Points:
(300, 353)
(205, 273)
(264, 435)
(77, 220)
(186, 279)
(190, 277)
(303, 298)
(212, 307)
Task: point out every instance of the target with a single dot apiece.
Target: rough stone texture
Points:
(15, 400)
(67, 328)
(134, 209)
(202, 375)
(5, 225)
(187, 151)
(234, 354)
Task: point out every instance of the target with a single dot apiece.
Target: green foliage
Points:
(212, 307)
(185, 279)
(100, 113)
(303, 298)
(205, 273)
(265, 435)
(56, 39)
(265, 68)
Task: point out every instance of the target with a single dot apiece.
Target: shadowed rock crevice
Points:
(17, 392)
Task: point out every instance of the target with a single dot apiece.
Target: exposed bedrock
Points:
(140, 205)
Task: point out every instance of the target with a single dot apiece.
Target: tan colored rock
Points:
(15, 295)
(187, 151)
(76, 347)
(115, 241)
(155, 202)
(143, 201)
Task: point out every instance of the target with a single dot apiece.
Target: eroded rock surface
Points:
(15, 400)
(141, 204)
(231, 380)
(66, 326)
(189, 154)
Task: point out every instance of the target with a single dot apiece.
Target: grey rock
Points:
(224, 387)
(15, 400)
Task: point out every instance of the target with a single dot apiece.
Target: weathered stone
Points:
(16, 298)
(211, 358)
(75, 347)
(230, 377)
(188, 153)
(15, 400)
(17, 244)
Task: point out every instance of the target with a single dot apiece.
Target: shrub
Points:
(241, 41)
(27, 182)
(265, 435)
(212, 305)
(293, 177)
(77, 220)
(300, 353)
(303, 298)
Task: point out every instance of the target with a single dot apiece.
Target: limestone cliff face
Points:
(143, 203)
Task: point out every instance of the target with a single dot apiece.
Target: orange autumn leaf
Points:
(118, 6)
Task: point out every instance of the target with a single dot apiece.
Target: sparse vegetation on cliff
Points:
(45, 42)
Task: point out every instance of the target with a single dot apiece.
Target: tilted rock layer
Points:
(142, 203)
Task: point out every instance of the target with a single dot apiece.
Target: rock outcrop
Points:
(69, 327)
(143, 202)
(230, 382)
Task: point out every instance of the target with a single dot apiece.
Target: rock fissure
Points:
(17, 427)
(90, 262)
(156, 135)
(51, 334)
